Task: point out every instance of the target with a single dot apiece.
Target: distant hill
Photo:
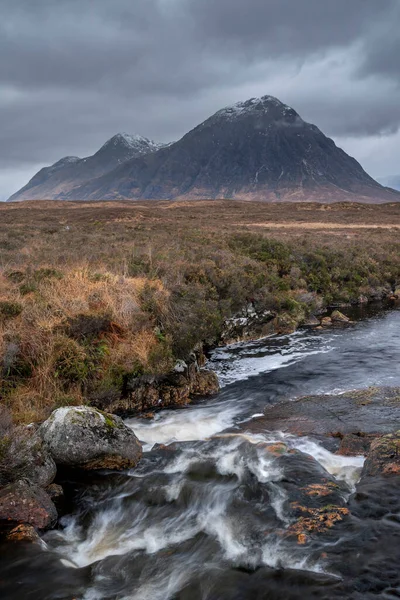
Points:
(56, 181)
(260, 149)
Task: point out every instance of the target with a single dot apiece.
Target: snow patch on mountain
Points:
(63, 162)
(254, 105)
(138, 144)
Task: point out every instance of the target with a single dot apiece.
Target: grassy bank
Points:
(93, 294)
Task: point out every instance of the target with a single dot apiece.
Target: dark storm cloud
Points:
(73, 72)
(288, 26)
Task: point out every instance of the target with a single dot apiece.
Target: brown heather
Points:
(91, 294)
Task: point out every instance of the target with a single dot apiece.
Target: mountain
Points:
(393, 181)
(58, 179)
(259, 149)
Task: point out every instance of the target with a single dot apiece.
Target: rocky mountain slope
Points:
(260, 149)
(56, 181)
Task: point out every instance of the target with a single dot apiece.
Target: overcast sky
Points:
(74, 72)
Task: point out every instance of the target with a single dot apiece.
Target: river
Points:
(205, 514)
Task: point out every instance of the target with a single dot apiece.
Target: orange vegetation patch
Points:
(318, 520)
(319, 490)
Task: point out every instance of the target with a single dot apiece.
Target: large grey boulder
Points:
(87, 438)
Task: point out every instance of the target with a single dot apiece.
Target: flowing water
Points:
(207, 513)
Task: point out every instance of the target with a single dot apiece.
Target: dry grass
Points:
(103, 310)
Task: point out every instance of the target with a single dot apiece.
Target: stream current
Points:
(206, 513)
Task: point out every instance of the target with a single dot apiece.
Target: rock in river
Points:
(350, 420)
(384, 456)
(24, 502)
(89, 439)
(338, 317)
(23, 533)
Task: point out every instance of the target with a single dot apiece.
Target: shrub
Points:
(16, 276)
(47, 273)
(88, 326)
(9, 310)
(27, 288)
(69, 361)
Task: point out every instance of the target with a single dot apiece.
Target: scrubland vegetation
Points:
(91, 294)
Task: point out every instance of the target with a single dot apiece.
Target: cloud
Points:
(77, 71)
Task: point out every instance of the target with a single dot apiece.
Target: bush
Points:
(69, 361)
(9, 310)
(16, 276)
(47, 273)
(88, 326)
(27, 288)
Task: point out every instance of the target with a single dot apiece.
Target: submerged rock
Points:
(26, 503)
(87, 438)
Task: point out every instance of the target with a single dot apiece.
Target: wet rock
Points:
(23, 533)
(384, 456)
(315, 500)
(311, 322)
(326, 322)
(361, 413)
(56, 494)
(353, 444)
(147, 416)
(338, 317)
(87, 438)
(316, 520)
(55, 491)
(26, 456)
(204, 383)
(25, 503)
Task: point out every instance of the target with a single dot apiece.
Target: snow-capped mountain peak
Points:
(256, 106)
(63, 162)
(135, 144)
